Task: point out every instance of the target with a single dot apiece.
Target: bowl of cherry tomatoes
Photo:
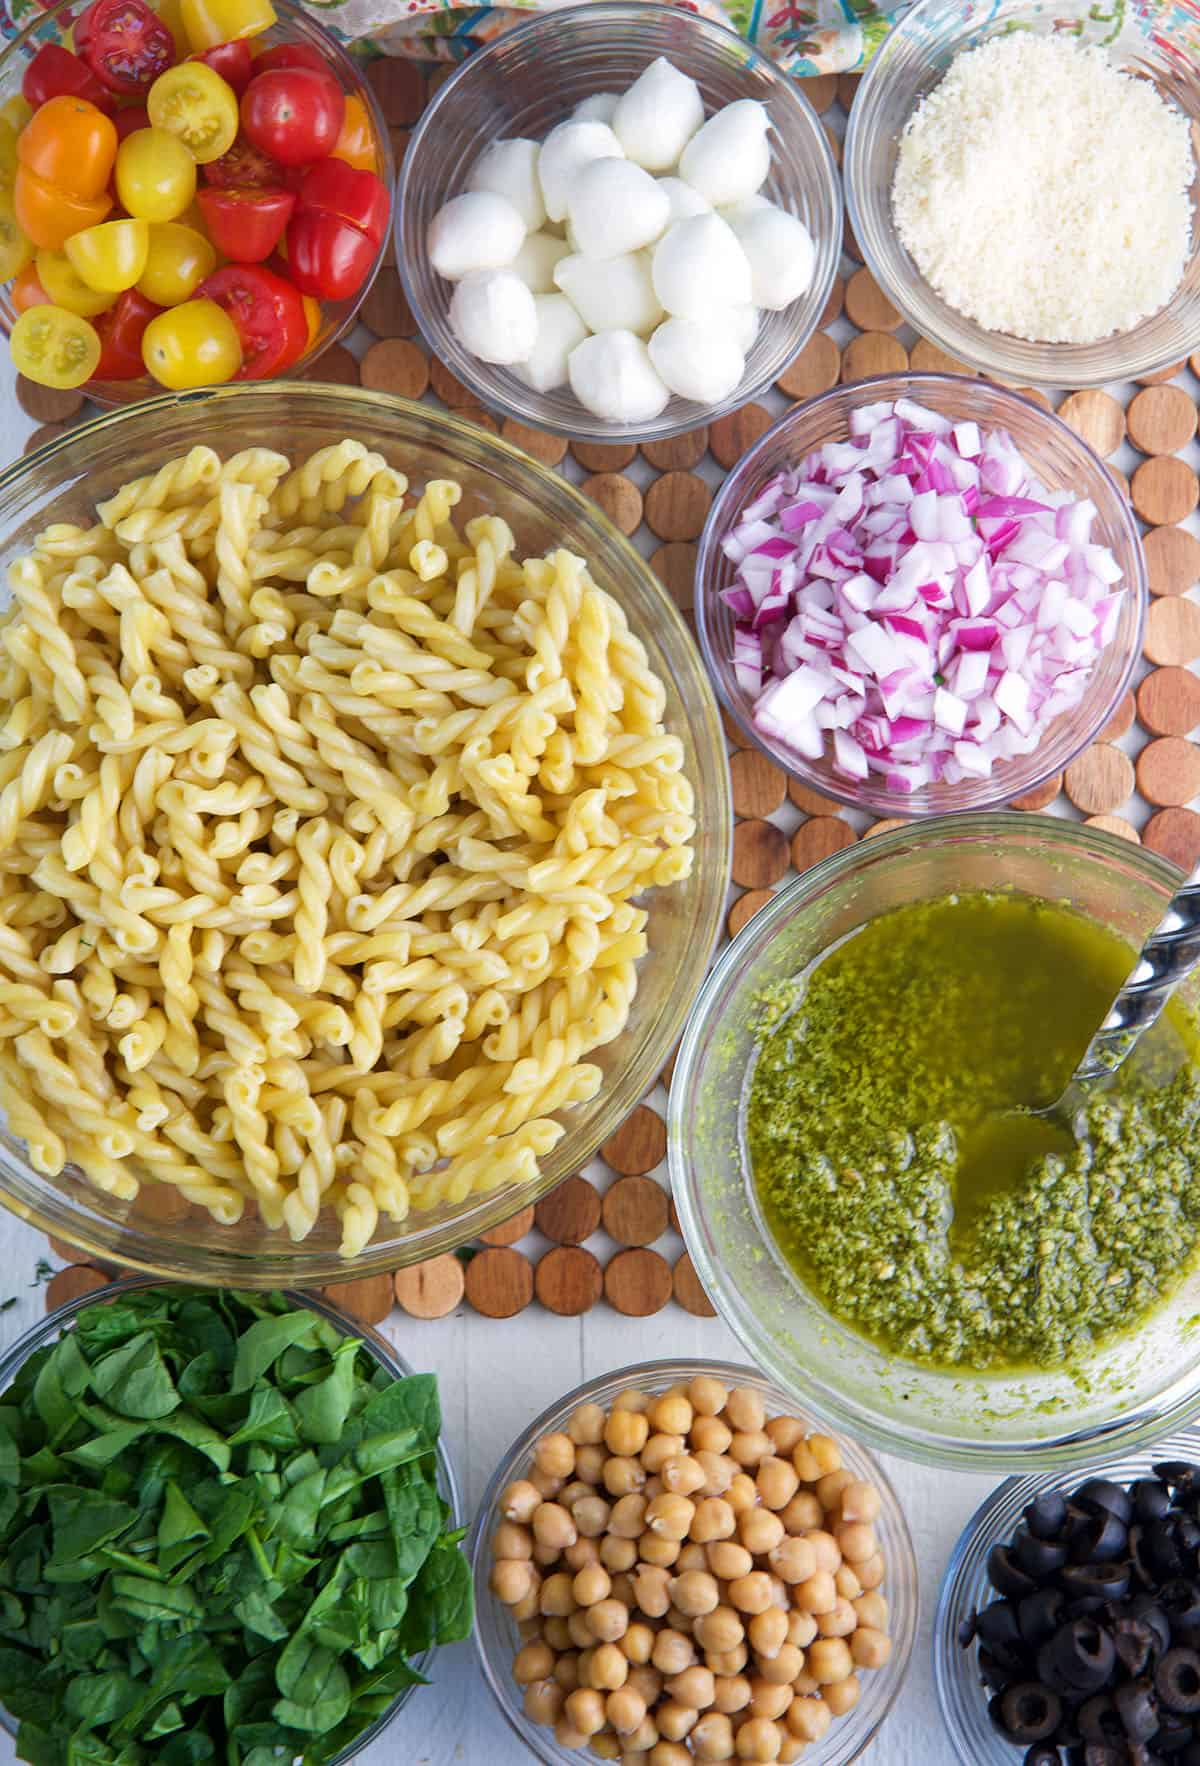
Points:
(191, 192)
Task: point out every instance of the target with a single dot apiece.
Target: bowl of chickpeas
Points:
(671, 1567)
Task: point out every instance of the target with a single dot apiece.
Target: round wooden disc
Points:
(1175, 833)
(336, 366)
(927, 358)
(48, 404)
(759, 786)
(1164, 490)
(1121, 721)
(745, 908)
(397, 366)
(568, 1281)
(1168, 702)
(813, 803)
(369, 1297)
(635, 1211)
(1168, 373)
(688, 1290)
(604, 456)
(850, 244)
(453, 394)
(675, 566)
(45, 432)
(385, 310)
(64, 1252)
(668, 1072)
(510, 1230)
(569, 1214)
(760, 854)
(1097, 417)
(1168, 771)
(675, 1226)
(886, 825)
(833, 306)
(1099, 780)
(638, 1145)
(1172, 630)
(619, 497)
(821, 91)
(72, 1284)
(734, 731)
(538, 443)
(676, 505)
(637, 1283)
(868, 307)
(399, 86)
(679, 453)
(1118, 825)
(872, 352)
(430, 1289)
(1161, 420)
(1172, 560)
(814, 370)
(160, 1202)
(1041, 796)
(499, 1282)
(819, 837)
(732, 436)
(847, 87)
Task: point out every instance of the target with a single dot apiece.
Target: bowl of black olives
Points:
(1068, 1625)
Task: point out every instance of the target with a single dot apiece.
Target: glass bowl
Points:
(50, 23)
(531, 78)
(56, 1322)
(63, 481)
(965, 1588)
(1058, 457)
(1121, 1396)
(1154, 41)
(496, 1636)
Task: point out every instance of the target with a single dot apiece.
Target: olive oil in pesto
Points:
(940, 1240)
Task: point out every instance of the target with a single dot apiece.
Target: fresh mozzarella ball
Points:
(781, 254)
(611, 294)
(615, 207)
(698, 360)
(565, 151)
(476, 231)
(509, 169)
(733, 212)
(730, 157)
(492, 313)
(685, 202)
(559, 330)
(657, 117)
(613, 376)
(742, 323)
(535, 261)
(698, 266)
(598, 108)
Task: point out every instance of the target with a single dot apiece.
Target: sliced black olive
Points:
(1088, 1606)
(1180, 1474)
(1109, 1582)
(1175, 1739)
(1105, 1754)
(1147, 1609)
(1006, 1575)
(1151, 1499)
(1078, 1658)
(997, 1630)
(1098, 1539)
(1187, 1534)
(1180, 1601)
(1039, 1616)
(1177, 1680)
(1155, 1553)
(1134, 1701)
(1029, 1711)
(1103, 1494)
(994, 1674)
(1047, 1514)
(966, 1631)
(1188, 1753)
(1098, 1720)
(1135, 1643)
(1041, 1754)
(1038, 1557)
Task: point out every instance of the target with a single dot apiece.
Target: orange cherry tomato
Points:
(312, 317)
(27, 290)
(48, 215)
(68, 142)
(356, 143)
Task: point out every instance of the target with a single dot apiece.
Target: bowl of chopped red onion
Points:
(921, 594)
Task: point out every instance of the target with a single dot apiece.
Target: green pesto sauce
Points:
(947, 1243)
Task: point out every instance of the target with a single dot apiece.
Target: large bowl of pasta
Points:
(364, 833)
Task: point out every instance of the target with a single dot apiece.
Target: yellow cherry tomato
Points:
(16, 112)
(312, 318)
(156, 175)
(209, 22)
(177, 262)
(54, 347)
(356, 143)
(8, 155)
(193, 102)
(16, 250)
(65, 287)
(171, 13)
(195, 344)
(110, 257)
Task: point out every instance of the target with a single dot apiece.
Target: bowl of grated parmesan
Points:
(1022, 181)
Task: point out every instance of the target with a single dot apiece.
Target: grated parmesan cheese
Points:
(1044, 192)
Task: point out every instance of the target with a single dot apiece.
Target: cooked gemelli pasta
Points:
(323, 824)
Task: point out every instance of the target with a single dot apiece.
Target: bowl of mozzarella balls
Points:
(618, 220)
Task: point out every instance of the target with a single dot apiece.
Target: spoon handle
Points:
(1170, 953)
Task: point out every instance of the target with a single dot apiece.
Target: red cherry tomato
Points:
(294, 114)
(120, 332)
(246, 225)
(353, 195)
(245, 168)
(292, 55)
(267, 312)
(125, 44)
(55, 73)
(130, 119)
(327, 256)
(233, 61)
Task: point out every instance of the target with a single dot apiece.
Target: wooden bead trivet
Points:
(509, 1231)
(368, 1297)
(637, 1283)
(1118, 825)
(1042, 796)
(833, 306)
(569, 1214)
(745, 908)
(453, 394)
(1096, 418)
(1175, 833)
(1164, 490)
(1161, 420)
(639, 1145)
(635, 1211)
(731, 437)
(47, 432)
(1121, 721)
(734, 732)
(1099, 780)
(399, 85)
(619, 497)
(47, 404)
(431, 1289)
(868, 307)
(337, 367)
(386, 311)
(820, 837)
(679, 453)
(760, 854)
(759, 787)
(676, 506)
(604, 456)
(813, 803)
(1168, 771)
(1168, 701)
(688, 1290)
(821, 91)
(499, 1282)
(927, 358)
(1176, 368)
(397, 366)
(675, 566)
(1172, 560)
(1172, 630)
(568, 1280)
(873, 352)
(816, 369)
(73, 1283)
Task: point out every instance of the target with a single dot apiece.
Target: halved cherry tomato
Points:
(232, 61)
(209, 22)
(356, 143)
(125, 44)
(195, 344)
(55, 73)
(130, 118)
(334, 188)
(70, 143)
(327, 256)
(120, 331)
(49, 215)
(27, 290)
(245, 168)
(197, 105)
(54, 347)
(246, 225)
(268, 314)
(156, 175)
(171, 13)
(111, 257)
(8, 156)
(16, 112)
(16, 248)
(293, 113)
(178, 261)
(65, 287)
(312, 314)
(291, 55)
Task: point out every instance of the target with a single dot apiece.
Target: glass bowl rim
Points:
(903, 1573)
(992, 793)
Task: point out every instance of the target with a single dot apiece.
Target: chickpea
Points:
(511, 1579)
(556, 1634)
(529, 1630)
(529, 1606)
(589, 1464)
(871, 1571)
(518, 1501)
(625, 1709)
(793, 1560)
(546, 1555)
(826, 1452)
(872, 1610)
(826, 1549)
(752, 1593)
(760, 1531)
(750, 1447)
(694, 1687)
(817, 1595)
(637, 1643)
(654, 1549)
(808, 1719)
(713, 1520)
(512, 1541)
(673, 1413)
(675, 1720)
(585, 1426)
(544, 1702)
(768, 1632)
(847, 1583)
(843, 1695)
(546, 1486)
(591, 1584)
(802, 1513)
(741, 1493)
(566, 1670)
(673, 1652)
(557, 1598)
(553, 1526)
(790, 1750)
(574, 1492)
(567, 1736)
(829, 1659)
(682, 1475)
(584, 1709)
(555, 1455)
(870, 1648)
(609, 1669)
(623, 1477)
(802, 1628)
(728, 1560)
(710, 1435)
(712, 1738)
(622, 1589)
(691, 1557)
(681, 1621)
(581, 1554)
(606, 1745)
(777, 1482)
(670, 1516)
(758, 1739)
(583, 1666)
(719, 1472)
(829, 1490)
(860, 1501)
(804, 1460)
(744, 1408)
(857, 1541)
(534, 1662)
(840, 1622)
(626, 1432)
(667, 1753)
(805, 1683)
(608, 1620)
(786, 1433)
(617, 1554)
(659, 1449)
(782, 1668)
(707, 1395)
(648, 1681)
(627, 1518)
(725, 1662)
(731, 1692)
(695, 1593)
(719, 1630)
(632, 1398)
(768, 1699)
(651, 1590)
(580, 1633)
(641, 1740)
(653, 1487)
